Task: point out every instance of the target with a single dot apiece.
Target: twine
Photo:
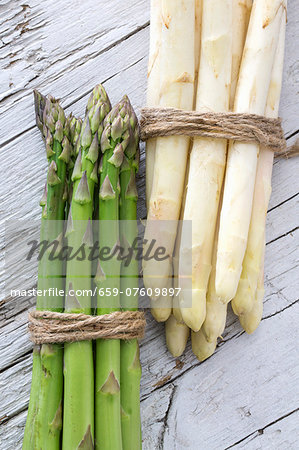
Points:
(156, 122)
(47, 327)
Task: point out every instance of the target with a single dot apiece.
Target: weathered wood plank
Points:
(37, 56)
(11, 432)
(46, 45)
(214, 404)
(283, 219)
(282, 434)
(290, 87)
(182, 400)
(31, 166)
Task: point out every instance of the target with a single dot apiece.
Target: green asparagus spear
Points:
(44, 421)
(78, 417)
(75, 130)
(115, 139)
(29, 435)
(130, 368)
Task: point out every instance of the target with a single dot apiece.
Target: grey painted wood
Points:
(246, 394)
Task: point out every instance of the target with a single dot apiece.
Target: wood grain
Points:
(246, 395)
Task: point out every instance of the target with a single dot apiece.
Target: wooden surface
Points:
(246, 395)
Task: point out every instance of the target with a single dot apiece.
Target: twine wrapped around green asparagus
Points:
(157, 122)
(48, 327)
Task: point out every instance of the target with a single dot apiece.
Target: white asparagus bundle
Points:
(251, 96)
(176, 89)
(246, 292)
(215, 320)
(153, 86)
(208, 156)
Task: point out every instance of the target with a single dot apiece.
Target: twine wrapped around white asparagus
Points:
(176, 88)
(153, 86)
(253, 259)
(251, 96)
(207, 159)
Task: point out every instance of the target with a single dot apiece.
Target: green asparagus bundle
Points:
(130, 368)
(71, 189)
(44, 422)
(78, 417)
(116, 139)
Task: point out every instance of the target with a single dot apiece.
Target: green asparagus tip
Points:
(58, 135)
(82, 194)
(106, 191)
(93, 152)
(94, 173)
(53, 179)
(118, 156)
(65, 155)
(86, 134)
(77, 171)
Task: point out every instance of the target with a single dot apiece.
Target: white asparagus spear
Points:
(251, 320)
(176, 310)
(208, 156)
(241, 15)
(198, 16)
(177, 335)
(214, 323)
(161, 307)
(176, 331)
(197, 45)
(201, 348)
(153, 86)
(177, 86)
(251, 97)
(244, 298)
